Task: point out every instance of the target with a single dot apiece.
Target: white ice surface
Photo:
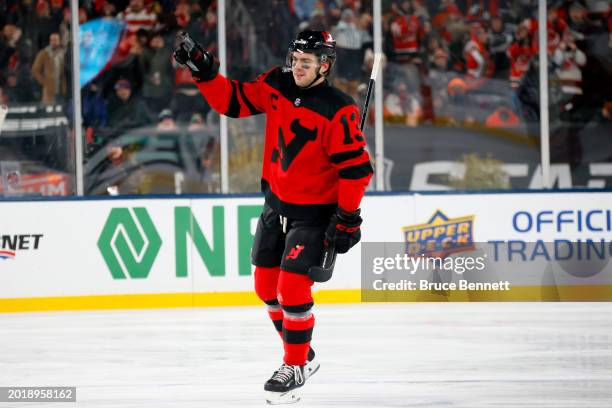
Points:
(467, 355)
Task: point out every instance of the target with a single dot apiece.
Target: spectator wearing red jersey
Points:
(520, 53)
(137, 17)
(555, 27)
(406, 37)
(449, 21)
(406, 33)
(478, 65)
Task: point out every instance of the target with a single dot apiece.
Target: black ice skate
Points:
(283, 386)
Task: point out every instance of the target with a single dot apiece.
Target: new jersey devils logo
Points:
(288, 152)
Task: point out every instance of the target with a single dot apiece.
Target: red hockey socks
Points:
(298, 321)
(297, 333)
(289, 301)
(266, 284)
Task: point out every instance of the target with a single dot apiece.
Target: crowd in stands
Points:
(137, 85)
(443, 57)
(448, 59)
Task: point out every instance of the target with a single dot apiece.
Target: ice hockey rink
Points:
(465, 355)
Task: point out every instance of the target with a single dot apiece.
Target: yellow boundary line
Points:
(575, 293)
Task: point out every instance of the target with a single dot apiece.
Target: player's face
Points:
(304, 67)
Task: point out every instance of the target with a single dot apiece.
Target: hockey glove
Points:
(344, 230)
(200, 62)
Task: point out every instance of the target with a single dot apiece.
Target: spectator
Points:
(57, 11)
(569, 60)
(64, 27)
(439, 77)
(303, 9)
(406, 32)
(403, 106)
(207, 150)
(137, 17)
(578, 22)
(208, 31)
(157, 74)
(125, 110)
(349, 48)
(449, 22)
(48, 70)
(478, 65)
(420, 11)
(125, 66)
(185, 21)
(9, 45)
(555, 26)
(107, 9)
(500, 40)
(166, 121)
(18, 87)
(41, 26)
(520, 53)
(94, 107)
(406, 35)
(317, 21)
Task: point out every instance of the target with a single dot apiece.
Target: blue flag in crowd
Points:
(98, 39)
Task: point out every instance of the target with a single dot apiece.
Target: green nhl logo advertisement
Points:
(129, 243)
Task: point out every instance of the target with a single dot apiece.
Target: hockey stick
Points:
(3, 112)
(324, 271)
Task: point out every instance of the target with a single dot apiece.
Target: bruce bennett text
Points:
(424, 284)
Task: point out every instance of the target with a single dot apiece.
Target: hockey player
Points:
(314, 175)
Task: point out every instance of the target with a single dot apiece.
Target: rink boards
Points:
(167, 252)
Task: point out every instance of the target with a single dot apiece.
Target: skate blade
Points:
(311, 368)
(278, 398)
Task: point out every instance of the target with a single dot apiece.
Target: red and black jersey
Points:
(314, 157)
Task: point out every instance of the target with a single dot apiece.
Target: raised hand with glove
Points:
(200, 62)
(344, 230)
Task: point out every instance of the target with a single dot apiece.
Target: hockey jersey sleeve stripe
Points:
(233, 110)
(356, 172)
(252, 109)
(344, 156)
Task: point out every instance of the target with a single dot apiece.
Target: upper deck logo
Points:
(440, 235)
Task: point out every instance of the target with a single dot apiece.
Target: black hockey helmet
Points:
(320, 43)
